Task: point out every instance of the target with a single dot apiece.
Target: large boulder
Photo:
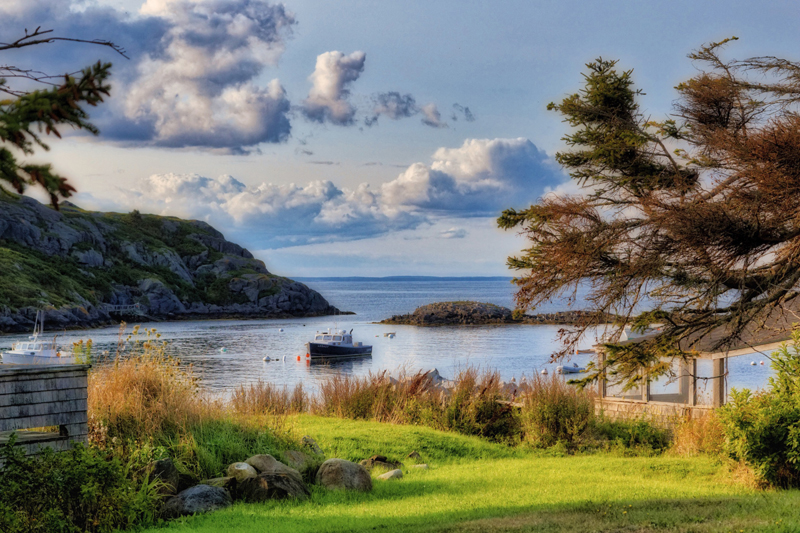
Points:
(339, 474)
(298, 460)
(271, 487)
(198, 499)
(266, 464)
(241, 471)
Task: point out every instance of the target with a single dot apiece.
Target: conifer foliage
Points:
(692, 222)
(30, 113)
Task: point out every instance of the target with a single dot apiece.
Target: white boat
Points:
(574, 369)
(335, 344)
(36, 351)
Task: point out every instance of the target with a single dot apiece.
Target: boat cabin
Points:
(335, 339)
(32, 346)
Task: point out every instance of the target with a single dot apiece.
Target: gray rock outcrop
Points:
(172, 268)
(392, 474)
(478, 313)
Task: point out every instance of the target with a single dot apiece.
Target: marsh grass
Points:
(697, 436)
(555, 412)
(147, 403)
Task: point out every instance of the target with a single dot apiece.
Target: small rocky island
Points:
(467, 313)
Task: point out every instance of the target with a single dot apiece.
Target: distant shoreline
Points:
(404, 278)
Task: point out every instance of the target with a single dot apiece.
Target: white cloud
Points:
(200, 90)
(432, 117)
(194, 77)
(327, 99)
(478, 179)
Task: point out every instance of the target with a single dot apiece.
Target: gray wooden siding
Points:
(36, 396)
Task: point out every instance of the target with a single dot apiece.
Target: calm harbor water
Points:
(227, 353)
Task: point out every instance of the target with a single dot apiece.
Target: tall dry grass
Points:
(147, 404)
(696, 436)
(554, 411)
(265, 398)
(146, 394)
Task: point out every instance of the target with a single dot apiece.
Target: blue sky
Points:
(359, 137)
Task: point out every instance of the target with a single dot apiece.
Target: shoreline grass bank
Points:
(474, 485)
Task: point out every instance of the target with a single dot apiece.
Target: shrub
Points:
(639, 436)
(556, 412)
(478, 407)
(762, 429)
(78, 490)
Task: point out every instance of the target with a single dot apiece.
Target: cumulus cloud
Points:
(477, 179)
(327, 99)
(201, 90)
(271, 215)
(396, 106)
(194, 75)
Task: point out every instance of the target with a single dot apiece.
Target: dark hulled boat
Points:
(336, 344)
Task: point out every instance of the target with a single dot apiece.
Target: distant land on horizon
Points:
(405, 278)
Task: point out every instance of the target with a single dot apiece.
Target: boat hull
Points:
(26, 359)
(330, 351)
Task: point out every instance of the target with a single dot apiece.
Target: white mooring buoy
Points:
(544, 371)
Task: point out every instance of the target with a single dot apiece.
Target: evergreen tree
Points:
(695, 218)
(27, 115)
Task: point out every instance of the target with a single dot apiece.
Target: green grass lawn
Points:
(473, 485)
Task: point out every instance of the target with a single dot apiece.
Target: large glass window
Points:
(616, 390)
(674, 386)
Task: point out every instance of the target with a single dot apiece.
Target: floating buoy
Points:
(284, 358)
(266, 359)
(308, 356)
(761, 363)
(544, 371)
(223, 349)
(752, 363)
(391, 335)
(298, 357)
(281, 330)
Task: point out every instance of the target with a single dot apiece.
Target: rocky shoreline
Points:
(87, 269)
(469, 313)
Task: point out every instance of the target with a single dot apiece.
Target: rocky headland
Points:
(86, 269)
(478, 313)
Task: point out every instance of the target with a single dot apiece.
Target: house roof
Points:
(758, 336)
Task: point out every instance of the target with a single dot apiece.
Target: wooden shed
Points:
(51, 399)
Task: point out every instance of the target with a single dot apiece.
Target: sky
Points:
(358, 138)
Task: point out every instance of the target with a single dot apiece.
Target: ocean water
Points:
(228, 353)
